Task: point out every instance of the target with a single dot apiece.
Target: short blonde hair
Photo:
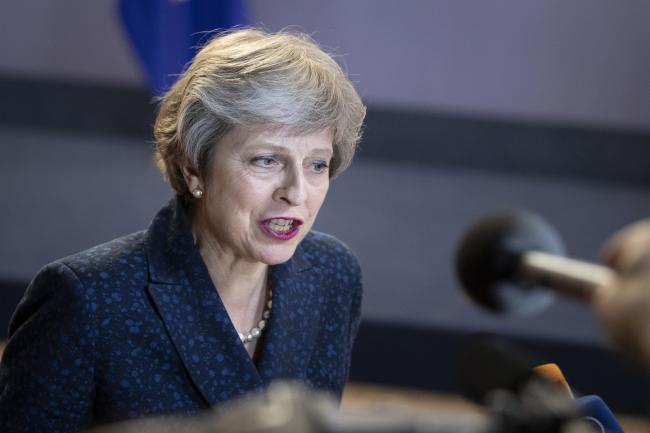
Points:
(248, 77)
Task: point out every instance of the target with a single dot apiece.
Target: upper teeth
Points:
(280, 224)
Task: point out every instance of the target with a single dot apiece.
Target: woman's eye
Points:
(264, 161)
(320, 166)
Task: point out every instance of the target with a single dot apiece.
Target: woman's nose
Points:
(292, 189)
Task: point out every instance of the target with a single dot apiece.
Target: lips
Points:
(281, 228)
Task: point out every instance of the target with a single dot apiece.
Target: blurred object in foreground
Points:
(364, 396)
(166, 33)
(553, 373)
(358, 396)
(292, 408)
(626, 311)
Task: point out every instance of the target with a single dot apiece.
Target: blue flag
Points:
(166, 33)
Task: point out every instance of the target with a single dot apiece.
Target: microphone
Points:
(595, 411)
(490, 363)
(591, 407)
(553, 373)
(505, 261)
(522, 399)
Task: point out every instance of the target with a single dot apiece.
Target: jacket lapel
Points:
(192, 312)
(294, 322)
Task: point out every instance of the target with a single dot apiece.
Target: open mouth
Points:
(280, 225)
(281, 228)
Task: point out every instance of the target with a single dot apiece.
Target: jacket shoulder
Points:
(77, 280)
(109, 261)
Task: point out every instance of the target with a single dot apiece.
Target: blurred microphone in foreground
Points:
(498, 374)
(513, 263)
(553, 373)
(524, 398)
(592, 408)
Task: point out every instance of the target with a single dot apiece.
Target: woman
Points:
(228, 289)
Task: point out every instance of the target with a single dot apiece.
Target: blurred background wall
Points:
(473, 107)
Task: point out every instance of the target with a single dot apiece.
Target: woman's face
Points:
(264, 191)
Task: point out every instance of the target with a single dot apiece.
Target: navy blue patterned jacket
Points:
(135, 327)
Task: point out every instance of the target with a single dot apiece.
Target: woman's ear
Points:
(191, 177)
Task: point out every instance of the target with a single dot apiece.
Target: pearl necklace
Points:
(256, 332)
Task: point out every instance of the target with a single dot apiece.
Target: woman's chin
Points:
(277, 255)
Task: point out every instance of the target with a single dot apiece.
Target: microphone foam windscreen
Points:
(488, 258)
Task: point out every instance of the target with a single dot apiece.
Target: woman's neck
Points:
(237, 281)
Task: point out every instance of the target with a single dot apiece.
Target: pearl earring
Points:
(197, 193)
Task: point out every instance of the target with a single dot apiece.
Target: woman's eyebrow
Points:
(324, 151)
(267, 146)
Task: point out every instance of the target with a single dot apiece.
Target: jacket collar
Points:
(198, 323)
